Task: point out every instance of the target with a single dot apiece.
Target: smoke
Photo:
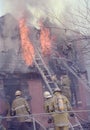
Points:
(34, 10)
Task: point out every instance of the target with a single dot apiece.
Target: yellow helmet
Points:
(47, 94)
(57, 90)
(54, 78)
(18, 93)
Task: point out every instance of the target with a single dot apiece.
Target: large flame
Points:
(27, 47)
(45, 40)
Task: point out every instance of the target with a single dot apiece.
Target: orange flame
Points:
(27, 47)
(45, 40)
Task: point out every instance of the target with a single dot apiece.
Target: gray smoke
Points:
(34, 10)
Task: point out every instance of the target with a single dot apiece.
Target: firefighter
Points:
(65, 83)
(47, 105)
(61, 105)
(8, 112)
(20, 108)
(58, 82)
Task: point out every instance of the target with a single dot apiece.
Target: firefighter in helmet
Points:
(65, 83)
(47, 105)
(21, 109)
(61, 105)
(48, 98)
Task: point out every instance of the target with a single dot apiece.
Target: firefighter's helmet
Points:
(57, 90)
(47, 94)
(54, 78)
(18, 93)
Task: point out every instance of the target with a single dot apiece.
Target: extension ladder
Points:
(50, 84)
(44, 71)
(76, 125)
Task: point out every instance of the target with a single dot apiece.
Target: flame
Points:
(45, 40)
(27, 47)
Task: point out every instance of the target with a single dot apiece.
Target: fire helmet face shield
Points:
(18, 93)
(47, 94)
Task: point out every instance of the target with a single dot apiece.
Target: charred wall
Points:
(30, 84)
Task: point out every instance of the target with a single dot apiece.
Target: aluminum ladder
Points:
(44, 71)
(50, 84)
(76, 124)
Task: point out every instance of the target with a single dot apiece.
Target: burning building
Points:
(18, 50)
(14, 68)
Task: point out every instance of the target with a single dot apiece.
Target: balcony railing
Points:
(40, 121)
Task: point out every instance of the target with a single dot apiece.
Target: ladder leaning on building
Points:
(50, 84)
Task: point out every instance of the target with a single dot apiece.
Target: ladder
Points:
(50, 84)
(76, 124)
(44, 71)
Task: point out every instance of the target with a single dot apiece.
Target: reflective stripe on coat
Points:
(21, 107)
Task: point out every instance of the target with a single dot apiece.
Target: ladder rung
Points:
(48, 76)
(44, 71)
(40, 64)
(38, 59)
(76, 125)
(50, 82)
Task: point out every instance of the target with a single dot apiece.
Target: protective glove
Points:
(50, 120)
(29, 112)
(12, 112)
(72, 115)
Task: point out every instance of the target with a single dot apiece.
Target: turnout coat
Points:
(61, 118)
(21, 108)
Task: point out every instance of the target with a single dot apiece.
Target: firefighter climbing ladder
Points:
(77, 123)
(45, 72)
(47, 77)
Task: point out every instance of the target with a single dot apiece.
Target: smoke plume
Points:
(33, 9)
